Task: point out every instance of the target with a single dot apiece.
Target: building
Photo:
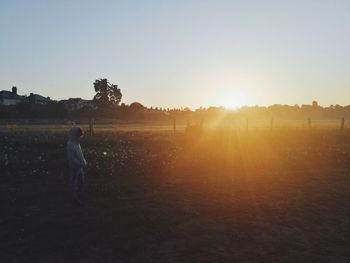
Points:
(8, 98)
(74, 104)
(38, 99)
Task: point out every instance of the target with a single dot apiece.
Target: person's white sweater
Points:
(75, 155)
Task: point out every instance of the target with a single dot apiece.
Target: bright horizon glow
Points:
(179, 53)
(234, 101)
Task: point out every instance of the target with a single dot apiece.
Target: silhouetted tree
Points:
(136, 106)
(107, 94)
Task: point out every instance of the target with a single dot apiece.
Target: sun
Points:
(233, 100)
(232, 87)
(232, 105)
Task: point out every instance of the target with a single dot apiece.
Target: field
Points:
(151, 196)
(238, 124)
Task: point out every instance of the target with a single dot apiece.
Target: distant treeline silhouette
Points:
(137, 112)
(107, 104)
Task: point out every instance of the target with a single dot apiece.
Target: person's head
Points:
(75, 134)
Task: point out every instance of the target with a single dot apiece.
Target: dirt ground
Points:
(269, 196)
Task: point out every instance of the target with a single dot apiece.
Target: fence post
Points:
(174, 125)
(91, 126)
(188, 123)
(309, 123)
(342, 123)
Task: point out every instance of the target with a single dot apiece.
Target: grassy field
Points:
(123, 127)
(239, 124)
(223, 196)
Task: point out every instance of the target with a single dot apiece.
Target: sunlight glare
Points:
(234, 100)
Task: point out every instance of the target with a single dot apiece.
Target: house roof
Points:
(4, 94)
(76, 100)
(38, 97)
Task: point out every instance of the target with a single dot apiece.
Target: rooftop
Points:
(5, 94)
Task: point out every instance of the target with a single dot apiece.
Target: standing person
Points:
(77, 163)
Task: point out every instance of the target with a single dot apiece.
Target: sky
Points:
(179, 53)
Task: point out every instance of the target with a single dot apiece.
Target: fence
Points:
(177, 126)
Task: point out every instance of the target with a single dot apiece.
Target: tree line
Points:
(107, 103)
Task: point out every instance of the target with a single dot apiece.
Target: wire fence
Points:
(181, 126)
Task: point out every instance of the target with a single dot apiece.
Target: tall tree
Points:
(107, 94)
